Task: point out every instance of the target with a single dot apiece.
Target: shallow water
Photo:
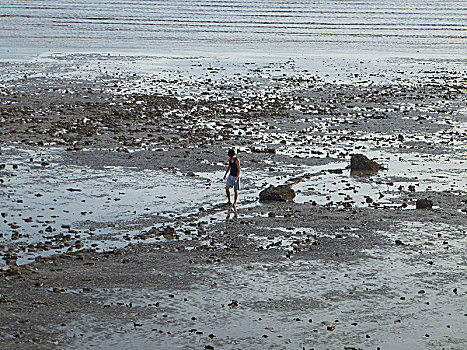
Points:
(110, 206)
(265, 28)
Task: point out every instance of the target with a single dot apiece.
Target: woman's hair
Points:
(231, 153)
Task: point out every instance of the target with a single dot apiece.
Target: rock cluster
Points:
(424, 204)
(361, 163)
(281, 193)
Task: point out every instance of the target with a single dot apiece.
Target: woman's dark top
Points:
(233, 167)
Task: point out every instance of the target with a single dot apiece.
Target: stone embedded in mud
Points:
(424, 204)
(361, 163)
(281, 193)
(169, 230)
(169, 233)
(265, 150)
(153, 231)
(4, 299)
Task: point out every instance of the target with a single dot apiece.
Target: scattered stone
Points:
(266, 150)
(4, 299)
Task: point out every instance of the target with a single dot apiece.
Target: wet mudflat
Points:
(114, 232)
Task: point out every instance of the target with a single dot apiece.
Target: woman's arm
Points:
(228, 169)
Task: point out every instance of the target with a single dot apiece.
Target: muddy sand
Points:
(114, 231)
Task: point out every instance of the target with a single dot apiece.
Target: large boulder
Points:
(361, 163)
(424, 204)
(281, 193)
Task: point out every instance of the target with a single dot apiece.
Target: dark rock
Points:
(153, 231)
(169, 230)
(336, 171)
(424, 204)
(4, 299)
(74, 189)
(360, 163)
(399, 242)
(266, 150)
(281, 193)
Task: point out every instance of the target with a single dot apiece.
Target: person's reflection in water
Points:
(229, 213)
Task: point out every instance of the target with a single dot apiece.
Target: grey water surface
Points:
(268, 28)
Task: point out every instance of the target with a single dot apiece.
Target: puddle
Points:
(45, 202)
(290, 239)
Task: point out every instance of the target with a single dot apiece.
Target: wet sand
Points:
(114, 232)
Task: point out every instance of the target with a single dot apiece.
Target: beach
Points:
(113, 145)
